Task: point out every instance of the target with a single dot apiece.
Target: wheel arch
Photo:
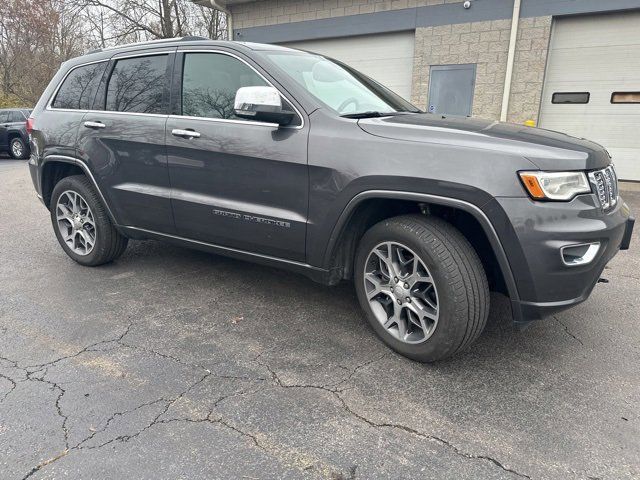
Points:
(364, 210)
(56, 167)
(11, 134)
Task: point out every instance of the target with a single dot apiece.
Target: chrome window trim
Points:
(167, 52)
(112, 57)
(229, 120)
(104, 112)
(186, 49)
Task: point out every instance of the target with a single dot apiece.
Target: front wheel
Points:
(82, 225)
(422, 286)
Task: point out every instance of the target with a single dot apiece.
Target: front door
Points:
(235, 183)
(122, 139)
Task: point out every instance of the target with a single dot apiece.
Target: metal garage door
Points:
(597, 55)
(387, 58)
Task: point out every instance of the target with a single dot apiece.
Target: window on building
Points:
(137, 85)
(570, 97)
(625, 97)
(79, 88)
(210, 82)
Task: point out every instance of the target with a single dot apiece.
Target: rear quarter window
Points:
(79, 87)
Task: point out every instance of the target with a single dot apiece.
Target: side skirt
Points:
(316, 274)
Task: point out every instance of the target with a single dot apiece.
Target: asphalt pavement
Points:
(173, 363)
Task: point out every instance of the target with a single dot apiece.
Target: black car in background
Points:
(13, 132)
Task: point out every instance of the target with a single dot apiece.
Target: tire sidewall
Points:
(79, 185)
(450, 329)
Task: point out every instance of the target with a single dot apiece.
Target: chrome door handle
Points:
(177, 132)
(94, 124)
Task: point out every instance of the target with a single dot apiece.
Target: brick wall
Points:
(487, 44)
(271, 12)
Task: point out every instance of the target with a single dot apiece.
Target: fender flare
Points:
(475, 211)
(85, 169)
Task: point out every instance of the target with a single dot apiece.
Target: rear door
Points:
(235, 183)
(122, 139)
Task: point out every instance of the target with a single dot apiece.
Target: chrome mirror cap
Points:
(263, 104)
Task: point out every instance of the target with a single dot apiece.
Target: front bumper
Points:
(533, 238)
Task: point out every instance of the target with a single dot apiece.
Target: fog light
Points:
(580, 254)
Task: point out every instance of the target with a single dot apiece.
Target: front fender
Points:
(475, 211)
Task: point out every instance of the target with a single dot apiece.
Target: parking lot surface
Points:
(173, 363)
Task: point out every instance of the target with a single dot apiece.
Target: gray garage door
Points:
(592, 86)
(387, 58)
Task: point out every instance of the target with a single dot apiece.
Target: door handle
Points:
(178, 132)
(94, 124)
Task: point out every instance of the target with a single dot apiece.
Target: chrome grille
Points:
(605, 182)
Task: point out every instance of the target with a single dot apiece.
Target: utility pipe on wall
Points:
(510, 60)
(219, 5)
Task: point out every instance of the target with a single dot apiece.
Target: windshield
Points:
(343, 89)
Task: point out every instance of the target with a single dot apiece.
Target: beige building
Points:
(568, 65)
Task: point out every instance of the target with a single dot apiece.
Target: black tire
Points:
(109, 243)
(23, 148)
(462, 287)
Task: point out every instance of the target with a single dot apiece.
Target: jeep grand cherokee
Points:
(295, 160)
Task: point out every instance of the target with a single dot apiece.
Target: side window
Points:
(137, 85)
(210, 82)
(3, 117)
(16, 116)
(79, 88)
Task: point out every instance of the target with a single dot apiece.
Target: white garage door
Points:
(387, 58)
(597, 55)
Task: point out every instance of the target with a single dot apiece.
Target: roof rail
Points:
(150, 42)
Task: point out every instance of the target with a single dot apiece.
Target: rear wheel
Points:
(422, 286)
(17, 148)
(82, 225)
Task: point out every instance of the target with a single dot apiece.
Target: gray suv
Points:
(298, 161)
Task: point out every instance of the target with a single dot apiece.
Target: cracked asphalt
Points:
(173, 363)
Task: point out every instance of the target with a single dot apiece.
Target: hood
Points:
(546, 149)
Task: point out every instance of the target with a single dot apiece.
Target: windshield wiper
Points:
(371, 114)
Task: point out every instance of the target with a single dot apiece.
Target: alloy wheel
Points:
(76, 223)
(17, 149)
(401, 292)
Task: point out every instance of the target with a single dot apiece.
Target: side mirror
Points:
(263, 104)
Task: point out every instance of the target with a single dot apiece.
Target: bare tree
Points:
(33, 45)
(134, 20)
(36, 36)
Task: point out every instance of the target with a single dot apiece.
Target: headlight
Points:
(555, 185)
